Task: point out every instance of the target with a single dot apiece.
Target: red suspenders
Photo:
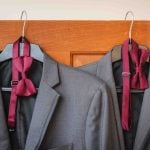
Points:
(21, 85)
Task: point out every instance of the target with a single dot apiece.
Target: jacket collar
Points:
(105, 72)
(46, 101)
(50, 73)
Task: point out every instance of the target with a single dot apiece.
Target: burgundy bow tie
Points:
(25, 86)
(139, 57)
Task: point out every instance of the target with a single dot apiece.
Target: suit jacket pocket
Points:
(64, 147)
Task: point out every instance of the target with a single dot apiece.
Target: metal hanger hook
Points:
(24, 13)
(131, 25)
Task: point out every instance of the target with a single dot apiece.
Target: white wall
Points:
(75, 9)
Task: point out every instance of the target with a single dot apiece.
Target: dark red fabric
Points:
(137, 80)
(24, 86)
(139, 57)
(126, 97)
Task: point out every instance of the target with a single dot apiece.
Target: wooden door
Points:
(75, 43)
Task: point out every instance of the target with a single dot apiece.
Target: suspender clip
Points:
(14, 82)
(11, 129)
(126, 74)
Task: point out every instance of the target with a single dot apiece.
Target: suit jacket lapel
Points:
(45, 104)
(143, 127)
(105, 71)
(144, 123)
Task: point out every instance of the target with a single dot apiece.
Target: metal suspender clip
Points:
(126, 74)
(11, 129)
(14, 82)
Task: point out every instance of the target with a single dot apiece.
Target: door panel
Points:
(79, 58)
(75, 42)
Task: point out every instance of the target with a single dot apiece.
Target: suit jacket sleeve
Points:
(101, 133)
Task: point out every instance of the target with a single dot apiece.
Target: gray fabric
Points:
(142, 141)
(4, 137)
(103, 70)
(65, 147)
(71, 107)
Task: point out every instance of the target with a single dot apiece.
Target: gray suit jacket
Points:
(104, 71)
(71, 111)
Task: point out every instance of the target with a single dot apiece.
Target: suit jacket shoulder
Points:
(90, 68)
(80, 77)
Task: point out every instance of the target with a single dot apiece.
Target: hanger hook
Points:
(131, 25)
(24, 13)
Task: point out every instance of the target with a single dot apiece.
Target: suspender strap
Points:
(137, 80)
(126, 97)
(14, 82)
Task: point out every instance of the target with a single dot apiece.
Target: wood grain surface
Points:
(75, 42)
